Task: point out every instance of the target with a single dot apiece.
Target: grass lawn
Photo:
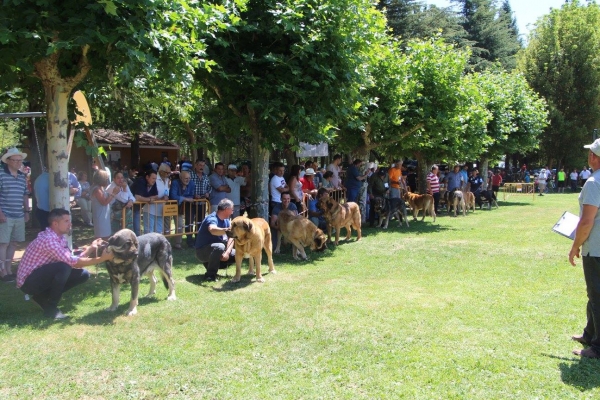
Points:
(480, 307)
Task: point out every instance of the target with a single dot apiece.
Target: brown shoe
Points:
(589, 353)
(580, 339)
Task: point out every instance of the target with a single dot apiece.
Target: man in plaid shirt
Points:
(201, 181)
(48, 269)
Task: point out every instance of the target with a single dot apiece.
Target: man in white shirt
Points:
(235, 183)
(277, 185)
(584, 175)
(334, 167)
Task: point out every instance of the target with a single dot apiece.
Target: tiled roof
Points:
(111, 137)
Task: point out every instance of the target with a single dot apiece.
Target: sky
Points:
(526, 12)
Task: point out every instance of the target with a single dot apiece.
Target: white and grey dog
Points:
(134, 257)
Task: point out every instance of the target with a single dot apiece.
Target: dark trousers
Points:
(436, 201)
(137, 212)
(47, 283)
(210, 256)
(574, 186)
(591, 272)
(372, 212)
(42, 217)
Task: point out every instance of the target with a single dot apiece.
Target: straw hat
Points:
(13, 152)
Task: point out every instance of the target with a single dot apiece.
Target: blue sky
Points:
(527, 12)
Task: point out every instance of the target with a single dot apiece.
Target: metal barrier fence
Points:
(338, 195)
(509, 189)
(165, 216)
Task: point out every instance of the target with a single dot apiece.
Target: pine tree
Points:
(493, 32)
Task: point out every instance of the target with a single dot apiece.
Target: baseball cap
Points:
(594, 147)
(232, 166)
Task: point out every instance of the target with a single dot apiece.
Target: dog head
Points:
(319, 242)
(123, 244)
(285, 216)
(379, 204)
(327, 204)
(240, 226)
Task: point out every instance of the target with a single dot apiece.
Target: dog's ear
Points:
(248, 225)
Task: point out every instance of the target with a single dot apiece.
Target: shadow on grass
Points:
(416, 227)
(582, 373)
(104, 317)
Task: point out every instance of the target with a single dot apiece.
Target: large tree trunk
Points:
(485, 162)
(423, 171)
(260, 169)
(135, 152)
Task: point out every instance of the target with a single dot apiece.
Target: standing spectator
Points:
(101, 204)
(83, 198)
(123, 200)
(41, 191)
(145, 191)
(48, 269)
(295, 184)
(433, 187)
(354, 180)
(561, 179)
(395, 179)
(14, 210)
(163, 184)
(235, 183)
(200, 179)
(496, 182)
(220, 188)
(183, 191)
(376, 188)
(584, 175)
(335, 168)
(542, 177)
(464, 172)
(573, 176)
(587, 237)
(277, 185)
(411, 179)
(454, 179)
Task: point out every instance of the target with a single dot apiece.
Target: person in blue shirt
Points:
(316, 215)
(475, 186)
(354, 180)
(41, 190)
(183, 190)
(211, 239)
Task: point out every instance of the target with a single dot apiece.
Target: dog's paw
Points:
(172, 297)
(236, 279)
(260, 279)
(272, 271)
(111, 309)
(131, 313)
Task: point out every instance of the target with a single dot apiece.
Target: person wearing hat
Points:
(308, 183)
(587, 245)
(14, 209)
(235, 182)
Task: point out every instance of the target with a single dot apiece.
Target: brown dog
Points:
(301, 232)
(470, 201)
(340, 215)
(419, 202)
(251, 236)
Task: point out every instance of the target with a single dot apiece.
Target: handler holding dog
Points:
(48, 269)
(211, 239)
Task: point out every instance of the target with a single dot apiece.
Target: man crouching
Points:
(48, 268)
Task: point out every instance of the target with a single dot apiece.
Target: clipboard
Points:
(567, 225)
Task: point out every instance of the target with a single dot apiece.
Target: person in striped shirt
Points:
(433, 186)
(14, 209)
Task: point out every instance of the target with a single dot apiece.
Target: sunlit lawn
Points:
(480, 307)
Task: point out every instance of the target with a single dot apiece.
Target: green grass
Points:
(480, 307)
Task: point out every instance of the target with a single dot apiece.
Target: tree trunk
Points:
(423, 171)
(485, 162)
(260, 169)
(135, 152)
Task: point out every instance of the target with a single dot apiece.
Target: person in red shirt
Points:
(48, 268)
(496, 182)
(308, 183)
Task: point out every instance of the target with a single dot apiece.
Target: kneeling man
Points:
(211, 239)
(48, 268)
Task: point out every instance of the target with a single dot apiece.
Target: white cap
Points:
(371, 165)
(594, 147)
(232, 166)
